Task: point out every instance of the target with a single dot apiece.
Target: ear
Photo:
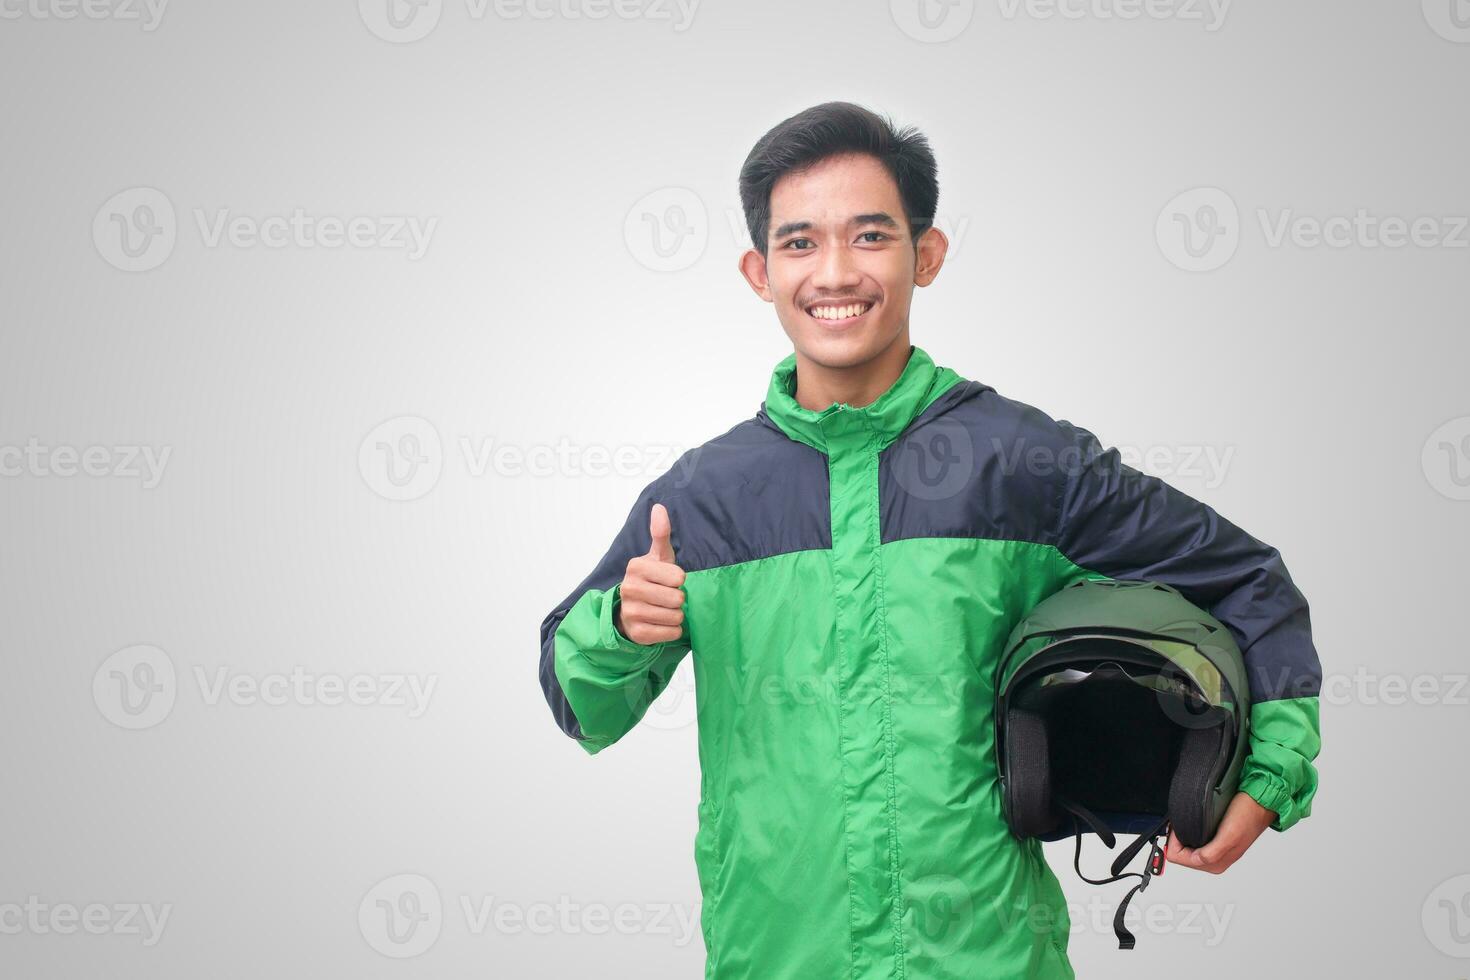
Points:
(931, 249)
(753, 268)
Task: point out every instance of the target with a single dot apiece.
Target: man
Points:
(846, 566)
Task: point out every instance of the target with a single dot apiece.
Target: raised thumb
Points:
(659, 529)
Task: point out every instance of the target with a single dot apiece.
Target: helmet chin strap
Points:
(1154, 867)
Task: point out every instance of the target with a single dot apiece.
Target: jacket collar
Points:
(839, 424)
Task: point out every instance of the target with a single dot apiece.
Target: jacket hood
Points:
(921, 382)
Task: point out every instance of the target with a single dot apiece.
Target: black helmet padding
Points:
(1108, 746)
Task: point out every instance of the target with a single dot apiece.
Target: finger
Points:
(646, 635)
(638, 590)
(650, 569)
(1179, 854)
(660, 530)
(642, 612)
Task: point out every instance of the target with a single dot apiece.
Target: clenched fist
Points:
(650, 602)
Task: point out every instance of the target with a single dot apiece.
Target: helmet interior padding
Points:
(1108, 745)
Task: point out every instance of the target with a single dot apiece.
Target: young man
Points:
(846, 565)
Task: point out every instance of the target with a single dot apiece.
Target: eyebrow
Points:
(876, 218)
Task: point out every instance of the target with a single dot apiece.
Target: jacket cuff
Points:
(614, 651)
(1271, 792)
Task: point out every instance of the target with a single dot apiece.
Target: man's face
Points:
(840, 265)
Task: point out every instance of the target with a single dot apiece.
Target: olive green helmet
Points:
(1121, 707)
(1126, 700)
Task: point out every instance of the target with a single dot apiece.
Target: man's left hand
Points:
(1244, 821)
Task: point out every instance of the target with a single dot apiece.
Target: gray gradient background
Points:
(536, 316)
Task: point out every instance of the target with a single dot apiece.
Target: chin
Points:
(842, 351)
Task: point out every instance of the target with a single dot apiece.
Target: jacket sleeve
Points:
(1122, 523)
(598, 682)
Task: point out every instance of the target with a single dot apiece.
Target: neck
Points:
(818, 386)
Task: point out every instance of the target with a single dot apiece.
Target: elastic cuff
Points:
(1271, 792)
(630, 655)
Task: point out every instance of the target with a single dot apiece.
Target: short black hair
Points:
(832, 129)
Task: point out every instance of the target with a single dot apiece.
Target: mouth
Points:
(839, 315)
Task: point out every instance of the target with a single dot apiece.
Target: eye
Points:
(795, 241)
(874, 241)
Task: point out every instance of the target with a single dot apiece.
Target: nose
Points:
(836, 269)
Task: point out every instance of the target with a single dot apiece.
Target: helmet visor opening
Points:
(1117, 726)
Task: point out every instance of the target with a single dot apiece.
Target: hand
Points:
(1244, 821)
(649, 607)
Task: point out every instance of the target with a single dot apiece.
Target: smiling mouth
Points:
(838, 314)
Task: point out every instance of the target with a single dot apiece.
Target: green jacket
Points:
(852, 575)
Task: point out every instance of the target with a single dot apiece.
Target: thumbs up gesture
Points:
(650, 601)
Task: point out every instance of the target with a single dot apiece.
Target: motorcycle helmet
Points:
(1121, 708)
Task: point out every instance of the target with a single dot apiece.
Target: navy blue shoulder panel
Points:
(960, 471)
(750, 493)
(976, 464)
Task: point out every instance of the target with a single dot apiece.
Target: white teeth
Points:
(840, 312)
